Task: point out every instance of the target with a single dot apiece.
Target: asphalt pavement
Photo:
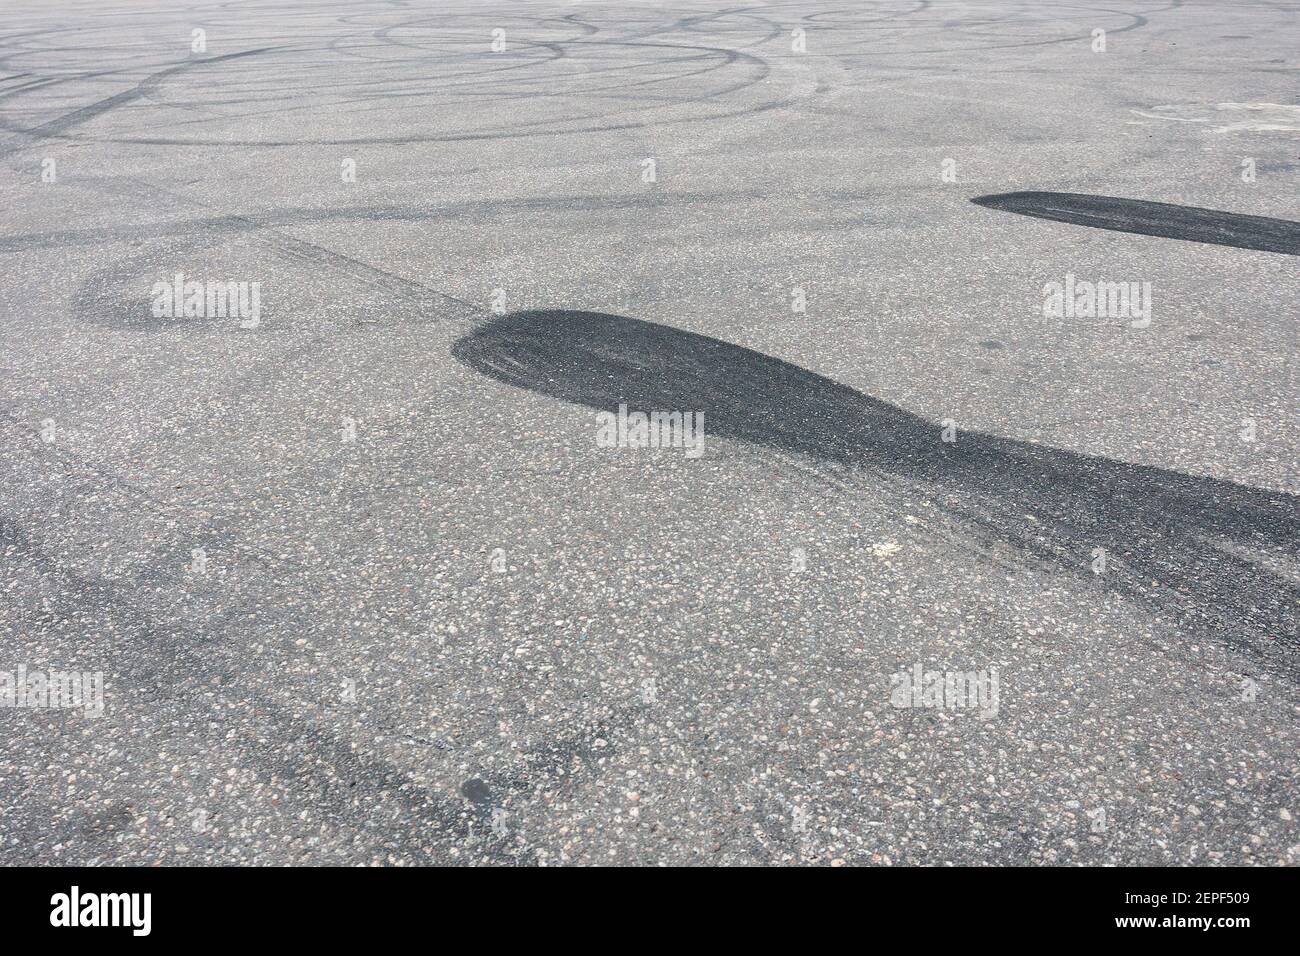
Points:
(341, 347)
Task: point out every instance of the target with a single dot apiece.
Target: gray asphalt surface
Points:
(475, 635)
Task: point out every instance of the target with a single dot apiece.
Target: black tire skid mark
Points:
(1044, 502)
(180, 654)
(58, 127)
(1138, 22)
(1155, 219)
(339, 100)
(303, 739)
(299, 746)
(229, 224)
(729, 58)
(291, 249)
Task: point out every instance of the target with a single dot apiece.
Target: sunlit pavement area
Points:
(363, 581)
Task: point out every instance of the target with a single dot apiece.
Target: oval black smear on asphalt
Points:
(599, 360)
(1162, 531)
(476, 791)
(1189, 223)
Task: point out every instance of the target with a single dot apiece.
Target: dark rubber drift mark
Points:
(1189, 223)
(1188, 545)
